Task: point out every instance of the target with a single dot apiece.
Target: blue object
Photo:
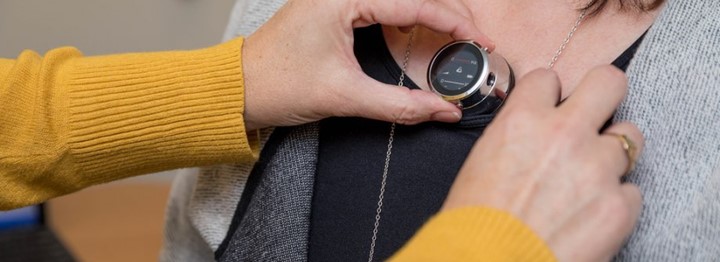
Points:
(26, 216)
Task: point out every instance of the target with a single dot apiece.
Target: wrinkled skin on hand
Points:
(548, 165)
(300, 67)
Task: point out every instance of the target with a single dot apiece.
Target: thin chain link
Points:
(391, 138)
(378, 211)
(560, 50)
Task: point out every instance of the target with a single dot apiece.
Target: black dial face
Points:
(456, 69)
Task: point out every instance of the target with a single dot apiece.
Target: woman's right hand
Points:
(300, 66)
(548, 166)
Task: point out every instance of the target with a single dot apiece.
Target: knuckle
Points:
(597, 168)
(543, 74)
(609, 70)
(518, 114)
(515, 118)
(611, 74)
(423, 7)
(403, 115)
(563, 128)
(615, 211)
(637, 135)
(633, 193)
(632, 131)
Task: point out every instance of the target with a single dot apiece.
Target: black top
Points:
(352, 152)
(36, 243)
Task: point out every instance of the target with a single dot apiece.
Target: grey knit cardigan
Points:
(674, 98)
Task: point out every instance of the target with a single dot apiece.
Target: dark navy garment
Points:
(425, 160)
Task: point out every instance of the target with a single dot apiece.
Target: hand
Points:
(300, 67)
(548, 166)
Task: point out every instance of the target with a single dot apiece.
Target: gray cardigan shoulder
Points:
(674, 98)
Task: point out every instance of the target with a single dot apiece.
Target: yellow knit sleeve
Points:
(475, 234)
(69, 122)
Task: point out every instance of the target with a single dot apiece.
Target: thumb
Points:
(392, 103)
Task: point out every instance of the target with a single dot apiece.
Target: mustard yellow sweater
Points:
(69, 122)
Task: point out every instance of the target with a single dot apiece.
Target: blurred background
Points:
(120, 221)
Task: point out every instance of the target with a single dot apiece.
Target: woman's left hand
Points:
(549, 167)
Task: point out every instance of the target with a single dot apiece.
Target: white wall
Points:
(110, 26)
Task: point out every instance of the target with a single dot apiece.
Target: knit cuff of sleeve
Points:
(475, 234)
(132, 114)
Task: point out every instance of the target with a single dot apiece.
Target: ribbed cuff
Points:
(138, 113)
(475, 234)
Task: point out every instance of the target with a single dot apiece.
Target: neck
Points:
(528, 34)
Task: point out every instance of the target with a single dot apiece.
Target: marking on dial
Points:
(453, 82)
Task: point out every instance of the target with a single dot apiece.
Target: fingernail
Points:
(449, 117)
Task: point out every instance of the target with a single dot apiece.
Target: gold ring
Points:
(630, 148)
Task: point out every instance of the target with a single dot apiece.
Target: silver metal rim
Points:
(481, 80)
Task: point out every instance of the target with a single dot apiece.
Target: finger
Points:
(634, 200)
(538, 89)
(596, 98)
(431, 14)
(406, 29)
(374, 100)
(613, 145)
(623, 216)
(616, 218)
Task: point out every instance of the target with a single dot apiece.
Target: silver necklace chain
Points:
(569, 36)
(378, 211)
(391, 138)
